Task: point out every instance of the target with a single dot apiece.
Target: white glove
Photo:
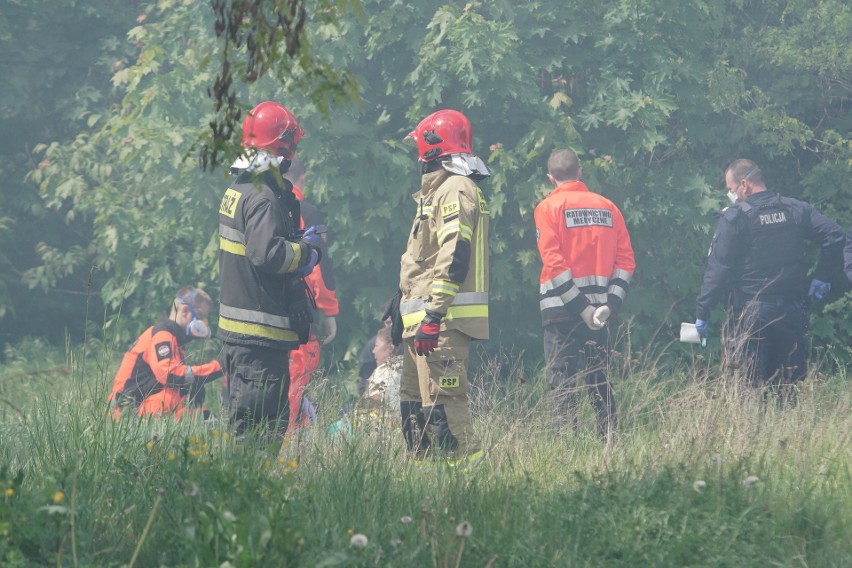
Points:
(329, 325)
(601, 314)
(588, 315)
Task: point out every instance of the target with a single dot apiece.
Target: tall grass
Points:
(702, 473)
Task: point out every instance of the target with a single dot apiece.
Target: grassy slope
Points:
(538, 501)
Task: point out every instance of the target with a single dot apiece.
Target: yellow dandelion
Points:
(349, 532)
(226, 436)
(150, 446)
(9, 492)
(292, 464)
(267, 464)
(214, 433)
(58, 497)
(281, 460)
(172, 456)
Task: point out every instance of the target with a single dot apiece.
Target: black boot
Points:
(436, 418)
(414, 427)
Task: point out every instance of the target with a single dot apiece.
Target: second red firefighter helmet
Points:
(443, 133)
(271, 127)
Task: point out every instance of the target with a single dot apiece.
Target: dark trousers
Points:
(768, 339)
(258, 384)
(576, 358)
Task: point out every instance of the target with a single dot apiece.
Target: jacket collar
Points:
(573, 185)
(429, 183)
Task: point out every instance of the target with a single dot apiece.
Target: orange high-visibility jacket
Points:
(321, 280)
(585, 250)
(155, 363)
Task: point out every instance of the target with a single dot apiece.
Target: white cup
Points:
(689, 334)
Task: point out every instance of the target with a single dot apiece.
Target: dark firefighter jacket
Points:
(155, 362)
(758, 251)
(258, 253)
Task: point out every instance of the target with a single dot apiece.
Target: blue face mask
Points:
(196, 329)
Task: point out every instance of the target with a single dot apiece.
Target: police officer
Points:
(758, 254)
(443, 300)
(264, 309)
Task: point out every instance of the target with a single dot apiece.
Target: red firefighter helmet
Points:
(271, 127)
(443, 133)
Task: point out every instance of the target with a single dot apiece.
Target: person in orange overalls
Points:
(153, 379)
(587, 264)
(305, 360)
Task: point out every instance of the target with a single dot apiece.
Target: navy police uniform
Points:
(758, 256)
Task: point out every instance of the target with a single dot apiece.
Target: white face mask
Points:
(732, 197)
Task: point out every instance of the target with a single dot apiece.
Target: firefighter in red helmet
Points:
(443, 300)
(264, 308)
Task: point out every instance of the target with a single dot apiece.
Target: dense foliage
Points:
(657, 96)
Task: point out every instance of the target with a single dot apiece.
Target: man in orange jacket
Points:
(153, 379)
(587, 266)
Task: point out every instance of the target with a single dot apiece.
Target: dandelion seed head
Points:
(751, 481)
(464, 529)
(405, 520)
(229, 516)
(358, 540)
(699, 485)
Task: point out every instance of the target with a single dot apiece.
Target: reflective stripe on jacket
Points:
(445, 266)
(257, 255)
(585, 250)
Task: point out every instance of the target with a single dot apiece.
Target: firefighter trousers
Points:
(437, 387)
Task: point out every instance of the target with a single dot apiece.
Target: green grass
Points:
(81, 490)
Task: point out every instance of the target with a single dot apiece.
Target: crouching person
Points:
(153, 379)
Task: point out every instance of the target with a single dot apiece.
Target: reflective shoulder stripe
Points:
(232, 247)
(257, 330)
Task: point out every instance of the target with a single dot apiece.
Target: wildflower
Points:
(214, 433)
(229, 516)
(150, 446)
(464, 529)
(58, 497)
(292, 465)
(358, 540)
(750, 481)
(405, 520)
(9, 492)
(172, 456)
(226, 436)
(699, 485)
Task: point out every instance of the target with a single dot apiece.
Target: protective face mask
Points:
(732, 197)
(198, 329)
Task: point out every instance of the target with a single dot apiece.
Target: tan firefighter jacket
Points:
(445, 266)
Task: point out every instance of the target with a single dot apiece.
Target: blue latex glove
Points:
(313, 235)
(818, 290)
(701, 327)
(309, 267)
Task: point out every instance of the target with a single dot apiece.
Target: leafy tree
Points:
(657, 96)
